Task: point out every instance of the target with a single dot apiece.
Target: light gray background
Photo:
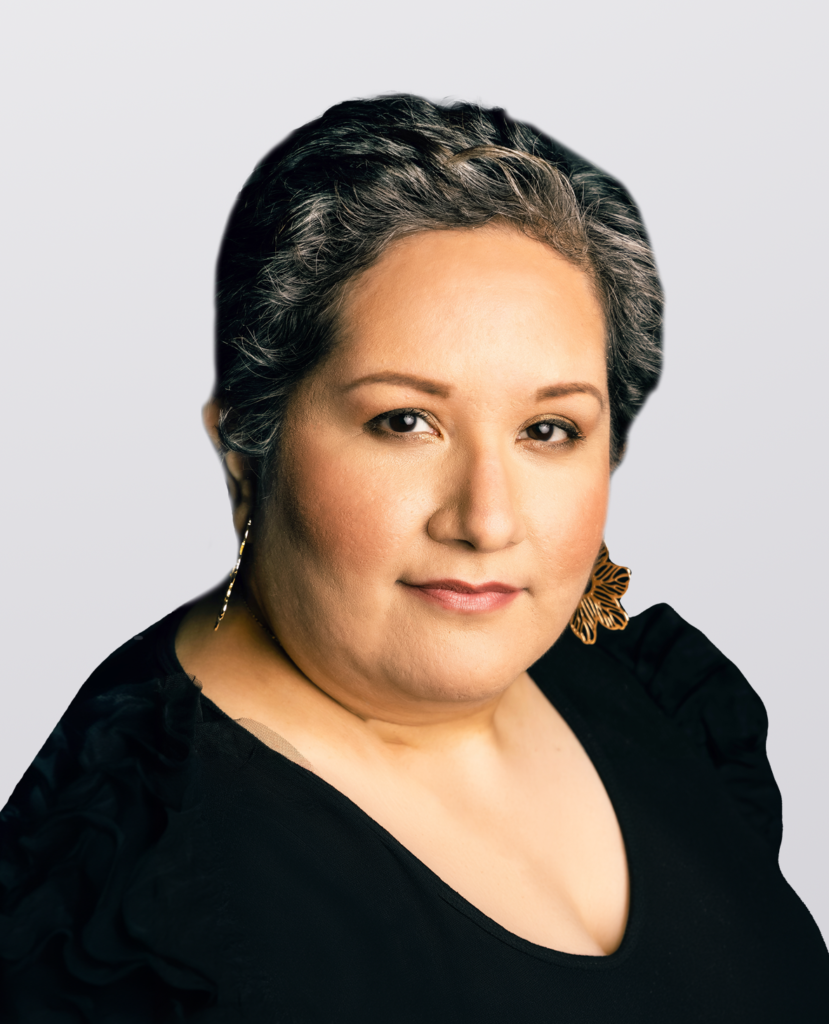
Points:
(131, 126)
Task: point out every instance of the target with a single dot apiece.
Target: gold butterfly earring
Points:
(601, 602)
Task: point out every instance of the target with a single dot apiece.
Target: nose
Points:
(481, 508)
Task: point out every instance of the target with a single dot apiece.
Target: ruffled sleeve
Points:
(711, 702)
(96, 851)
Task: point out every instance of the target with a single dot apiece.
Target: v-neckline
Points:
(601, 766)
(594, 753)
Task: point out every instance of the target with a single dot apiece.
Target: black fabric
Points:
(158, 862)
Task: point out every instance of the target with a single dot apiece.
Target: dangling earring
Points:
(233, 574)
(600, 603)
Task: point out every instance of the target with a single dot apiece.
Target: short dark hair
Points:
(327, 202)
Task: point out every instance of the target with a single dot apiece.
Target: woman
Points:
(428, 769)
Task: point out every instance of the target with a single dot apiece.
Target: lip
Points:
(459, 596)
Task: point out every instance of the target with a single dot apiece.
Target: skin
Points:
(424, 715)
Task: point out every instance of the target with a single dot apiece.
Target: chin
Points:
(465, 669)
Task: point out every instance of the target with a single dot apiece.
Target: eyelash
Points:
(374, 424)
(572, 431)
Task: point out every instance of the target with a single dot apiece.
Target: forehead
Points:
(474, 304)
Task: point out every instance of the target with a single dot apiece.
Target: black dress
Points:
(159, 861)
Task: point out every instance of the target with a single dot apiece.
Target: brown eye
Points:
(545, 431)
(403, 422)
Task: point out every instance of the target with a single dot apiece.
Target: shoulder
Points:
(137, 706)
(709, 701)
(703, 702)
(690, 680)
(149, 654)
(100, 819)
(136, 710)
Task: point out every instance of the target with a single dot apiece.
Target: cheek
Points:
(568, 533)
(343, 515)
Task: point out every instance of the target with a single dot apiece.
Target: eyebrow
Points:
(402, 380)
(576, 388)
(432, 387)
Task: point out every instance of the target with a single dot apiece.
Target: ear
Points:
(240, 481)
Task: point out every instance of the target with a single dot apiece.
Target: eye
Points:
(403, 421)
(547, 430)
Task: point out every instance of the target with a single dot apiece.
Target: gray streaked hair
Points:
(326, 203)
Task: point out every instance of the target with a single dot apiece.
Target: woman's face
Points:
(457, 439)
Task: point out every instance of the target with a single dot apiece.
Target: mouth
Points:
(459, 596)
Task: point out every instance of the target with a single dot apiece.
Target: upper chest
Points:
(530, 839)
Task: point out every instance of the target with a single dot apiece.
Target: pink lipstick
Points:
(458, 596)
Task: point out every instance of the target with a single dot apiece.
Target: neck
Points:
(386, 716)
